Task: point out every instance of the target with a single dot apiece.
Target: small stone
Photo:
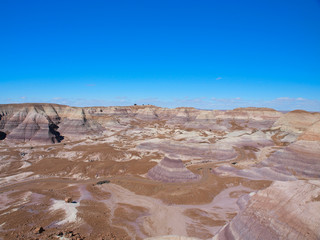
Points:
(69, 234)
(38, 230)
(68, 200)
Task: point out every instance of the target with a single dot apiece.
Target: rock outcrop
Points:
(301, 158)
(312, 133)
(296, 121)
(171, 170)
(46, 123)
(285, 210)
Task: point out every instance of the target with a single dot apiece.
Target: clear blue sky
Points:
(205, 54)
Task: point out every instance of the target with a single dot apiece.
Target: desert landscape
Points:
(146, 172)
(160, 120)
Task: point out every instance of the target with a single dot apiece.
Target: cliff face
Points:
(46, 123)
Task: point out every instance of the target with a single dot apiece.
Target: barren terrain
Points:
(147, 172)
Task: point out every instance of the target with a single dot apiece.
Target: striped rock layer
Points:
(32, 121)
(285, 210)
(171, 170)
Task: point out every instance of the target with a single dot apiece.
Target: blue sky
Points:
(204, 54)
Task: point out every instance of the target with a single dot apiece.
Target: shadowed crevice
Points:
(53, 130)
(3, 135)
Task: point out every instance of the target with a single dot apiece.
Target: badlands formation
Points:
(145, 172)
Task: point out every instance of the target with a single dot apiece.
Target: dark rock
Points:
(38, 230)
(103, 182)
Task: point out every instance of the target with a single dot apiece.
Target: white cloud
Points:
(301, 99)
(283, 98)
